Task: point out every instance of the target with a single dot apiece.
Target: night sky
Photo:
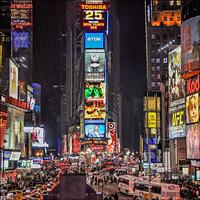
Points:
(48, 27)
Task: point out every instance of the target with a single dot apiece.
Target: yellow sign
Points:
(152, 120)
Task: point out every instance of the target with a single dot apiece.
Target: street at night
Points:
(99, 99)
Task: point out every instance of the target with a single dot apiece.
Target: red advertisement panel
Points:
(3, 125)
(76, 145)
(111, 147)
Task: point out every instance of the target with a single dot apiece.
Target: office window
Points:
(165, 60)
(153, 36)
(157, 60)
(153, 60)
(153, 68)
(153, 76)
(165, 18)
(158, 76)
(153, 84)
(178, 2)
(171, 2)
(158, 68)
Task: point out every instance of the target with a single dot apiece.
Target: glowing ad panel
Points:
(76, 145)
(94, 65)
(112, 141)
(94, 130)
(176, 93)
(13, 80)
(190, 59)
(3, 126)
(94, 17)
(94, 41)
(176, 83)
(193, 141)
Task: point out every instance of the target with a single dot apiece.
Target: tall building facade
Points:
(162, 21)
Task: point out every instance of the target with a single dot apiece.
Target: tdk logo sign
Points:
(94, 41)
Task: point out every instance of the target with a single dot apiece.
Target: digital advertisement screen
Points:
(95, 109)
(22, 91)
(192, 108)
(152, 120)
(177, 123)
(94, 65)
(193, 141)
(94, 130)
(112, 135)
(190, 45)
(94, 41)
(193, 85)
(21, 39)
(94, 17)
(13, 80)
(176, 83)
(94, 91)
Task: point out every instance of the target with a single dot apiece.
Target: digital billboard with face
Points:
(112, 135)
(94, 41)
(177, 123)
(94, 130)
(95, 109)
(94, 17)
(192, 108)
(176, 83)
(190, 45)
(94, 65)
(193, 141)
(94, 91)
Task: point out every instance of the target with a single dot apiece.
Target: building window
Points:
(153, 36)
(178, 2)
(158, 68)
(158, 76)
(157, 60)
(165, 18)
(153, 60)
(153, 76)
(153, 84)
(153, 68)
(165, 60)
(171, 19)
(171, 2)
(155, 18)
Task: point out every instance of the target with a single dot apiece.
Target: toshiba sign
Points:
(193, 85)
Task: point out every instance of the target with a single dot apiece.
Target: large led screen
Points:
(193, 141)
(192, 108)
(13, 80)
(94, 17)
(176, 83)
(94, 130)
(95, 109)
(94, 41)
(177, 123)
(112, 141)
(190, 45)
(94, 65)
(94, 91)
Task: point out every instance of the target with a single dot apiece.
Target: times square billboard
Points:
(94, 65)
(176, 95)
(190, 46)
(93, 16)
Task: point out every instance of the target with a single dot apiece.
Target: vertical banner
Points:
(3, 125)
(111, 146)
(76, 145)
(13, 80)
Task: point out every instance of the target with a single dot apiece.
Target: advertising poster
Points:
(94, 41)
(3, 126)
(190, 45)
(111, 130)
(94, 91)
(22, 91)
(176, 83)
(13, 80)
(192, 108)
(193, 85)
(21, 39)
(76, 145)
(30, 99)
(94, 65)
(94, 17)
(94, 130)
(95, 109)
(152, 120)
(193, 141)
(177, 123)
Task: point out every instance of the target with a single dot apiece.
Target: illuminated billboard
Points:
(177, 123)
(37, 136)
(95, 109)
(152, 120)
(190, 37)
(192, 108)
(193, 85)
(112, 141)
(152, 103)
(94, 17)
(94, 130)
(176, 83)
(94, 65)
(76, 145)
(94, 91)
(21, 39)
(193, 141)
(13, 80)
(3, 126)
(94, 41)
(22, 91)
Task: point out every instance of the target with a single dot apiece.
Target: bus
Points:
(127, 184)
(161, 191)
